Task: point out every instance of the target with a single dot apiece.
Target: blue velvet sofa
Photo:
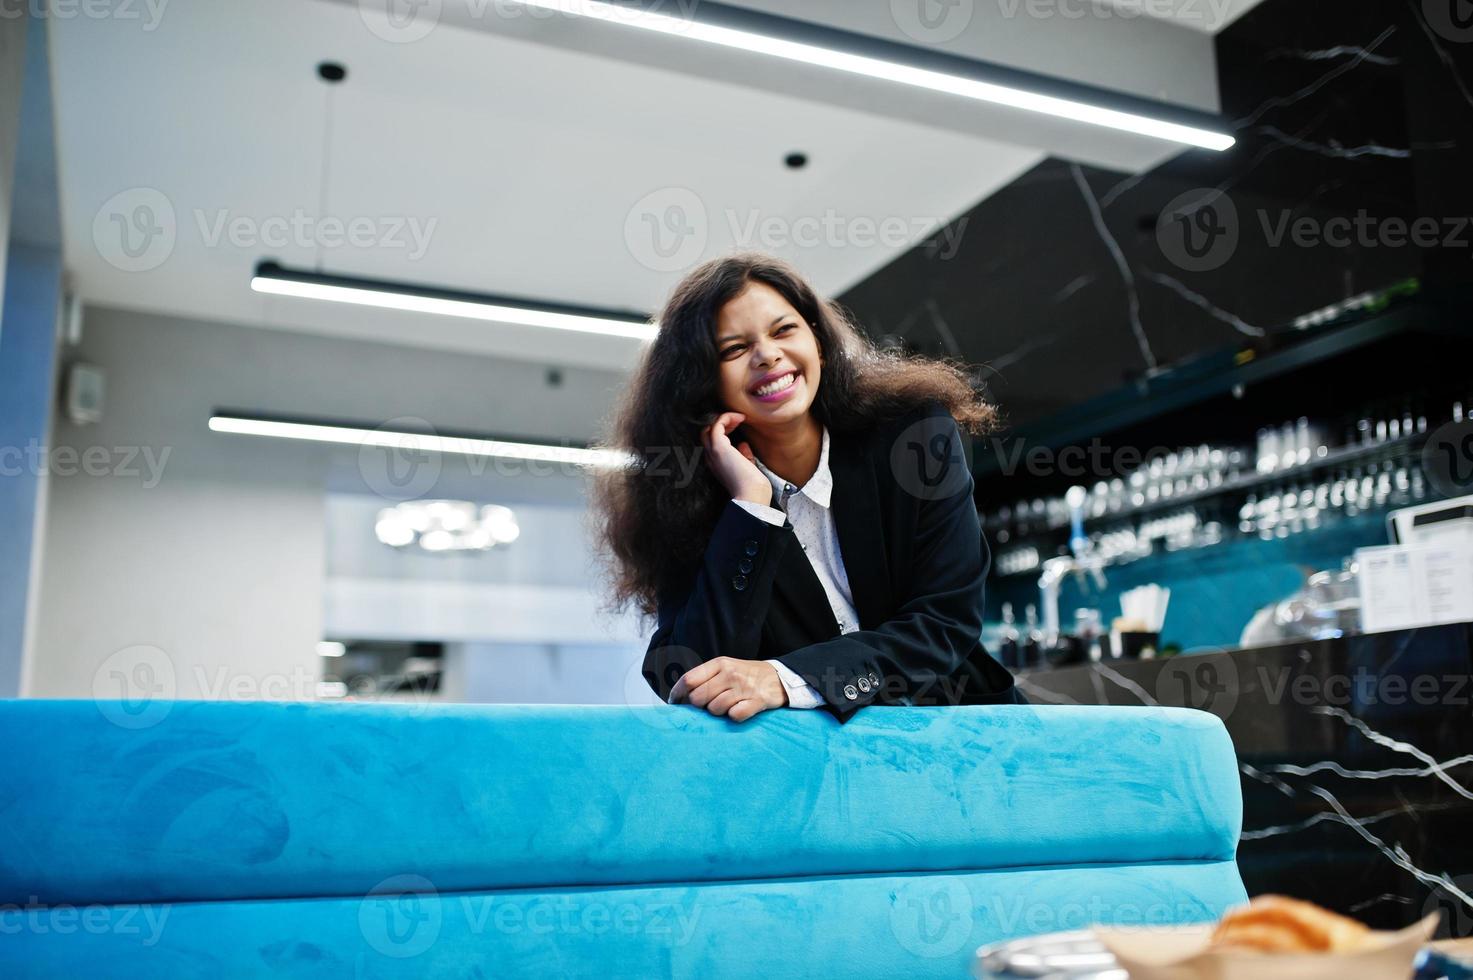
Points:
(338, 840)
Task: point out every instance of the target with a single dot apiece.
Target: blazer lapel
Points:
(856, 506)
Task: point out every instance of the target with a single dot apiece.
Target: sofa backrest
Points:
(217, 800)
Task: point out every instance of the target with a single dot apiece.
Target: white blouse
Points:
(813, 523)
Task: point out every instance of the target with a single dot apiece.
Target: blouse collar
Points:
(819, 487)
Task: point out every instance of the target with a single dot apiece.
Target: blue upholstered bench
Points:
(317, 840)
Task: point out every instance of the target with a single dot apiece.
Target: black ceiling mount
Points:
(269, 268)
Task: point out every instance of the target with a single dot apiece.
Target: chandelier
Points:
(443, 526)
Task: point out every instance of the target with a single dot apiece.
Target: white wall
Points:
(542, 589)
(210, 547)
(545, 673)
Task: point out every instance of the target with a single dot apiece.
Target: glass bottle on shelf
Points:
(1302, 448)
(1268, 450)
(1008, 647)
(1033, 640)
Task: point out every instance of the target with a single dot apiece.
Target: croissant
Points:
(1277, 924)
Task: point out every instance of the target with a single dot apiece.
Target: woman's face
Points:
(768, 356)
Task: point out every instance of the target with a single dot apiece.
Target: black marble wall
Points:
(1355, 130)
(1355, 756)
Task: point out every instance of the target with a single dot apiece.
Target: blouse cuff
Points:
(769, 514)
(800, 693)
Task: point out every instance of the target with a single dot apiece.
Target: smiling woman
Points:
(828, 554)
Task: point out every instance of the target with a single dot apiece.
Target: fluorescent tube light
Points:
(278, 281)
(831, 56)
(449, 445)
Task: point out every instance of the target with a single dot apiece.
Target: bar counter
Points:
(1356, 756)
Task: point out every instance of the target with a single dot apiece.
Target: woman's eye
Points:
(731, 350)
(786, 326)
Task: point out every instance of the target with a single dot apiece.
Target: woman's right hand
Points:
(735, 466)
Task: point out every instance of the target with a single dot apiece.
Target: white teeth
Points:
(784, 382)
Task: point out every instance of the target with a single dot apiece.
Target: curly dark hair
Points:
(656, 516)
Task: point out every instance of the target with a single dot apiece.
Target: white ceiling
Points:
(539, 152)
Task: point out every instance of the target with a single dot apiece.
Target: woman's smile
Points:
(777, 387)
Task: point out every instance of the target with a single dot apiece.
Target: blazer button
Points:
(751, 547)
(745, 565)
(739, 582)
(874, 679)
(864, 684)
(850, 692)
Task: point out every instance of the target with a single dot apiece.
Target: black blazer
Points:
(916, 560)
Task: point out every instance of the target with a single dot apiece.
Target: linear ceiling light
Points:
(834, 48)
(352, 435)
(276, 280)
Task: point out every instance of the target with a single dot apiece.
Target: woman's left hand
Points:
(733, 687)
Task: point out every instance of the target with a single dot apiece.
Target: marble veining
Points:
(1323, 762)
